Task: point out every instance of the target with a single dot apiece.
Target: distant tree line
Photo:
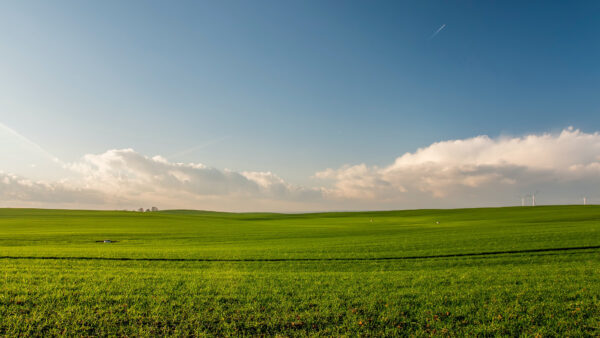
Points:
(147, 210)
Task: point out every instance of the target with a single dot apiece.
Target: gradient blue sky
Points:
(292, 87)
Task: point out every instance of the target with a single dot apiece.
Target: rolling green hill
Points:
(499, 271)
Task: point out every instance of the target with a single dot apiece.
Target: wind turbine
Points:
(533, 198)
(524, 199)
(584, 200)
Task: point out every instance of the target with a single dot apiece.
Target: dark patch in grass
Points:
(490, 253)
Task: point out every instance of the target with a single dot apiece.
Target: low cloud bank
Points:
(477, 171)
(125, 172)
(20, 191)
(457, 173)
(130, 176)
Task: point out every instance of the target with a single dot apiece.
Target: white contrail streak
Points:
(24, 140)
(437, 32)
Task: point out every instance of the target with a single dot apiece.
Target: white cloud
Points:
(18, 191)
(135, 178)
(478, 171)
(475, 171)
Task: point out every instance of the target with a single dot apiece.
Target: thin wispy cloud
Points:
(437, 31)
(29, 143)
(199, 146)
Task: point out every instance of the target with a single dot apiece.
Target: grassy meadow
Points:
(493, 271)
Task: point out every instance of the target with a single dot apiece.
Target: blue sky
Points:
(289, 87)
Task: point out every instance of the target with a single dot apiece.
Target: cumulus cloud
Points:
(476, 170)
(20, 191)
(126, 171)
(130, 176)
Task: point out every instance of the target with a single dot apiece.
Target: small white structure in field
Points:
(107, 241)
(533, 198)
(437, 222)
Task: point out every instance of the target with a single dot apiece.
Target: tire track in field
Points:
(474, 254)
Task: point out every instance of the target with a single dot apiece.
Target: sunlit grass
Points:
(551, 293)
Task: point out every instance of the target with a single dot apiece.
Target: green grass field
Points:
(496, 271)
